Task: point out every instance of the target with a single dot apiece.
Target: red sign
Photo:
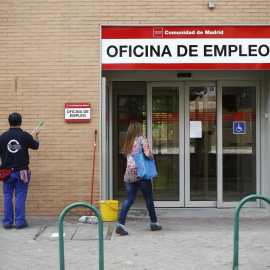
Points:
(185, 47)
(77, 112)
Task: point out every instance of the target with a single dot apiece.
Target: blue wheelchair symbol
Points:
(239, 127)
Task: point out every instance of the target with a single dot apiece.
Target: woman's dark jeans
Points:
(145, 186)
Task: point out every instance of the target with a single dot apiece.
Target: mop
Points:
(90, 218)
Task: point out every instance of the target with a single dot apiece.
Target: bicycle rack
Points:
(100, 233)
(236, 225)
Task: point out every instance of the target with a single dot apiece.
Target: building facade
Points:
(194, 73)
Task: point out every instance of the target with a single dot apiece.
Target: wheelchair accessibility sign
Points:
(239, 127)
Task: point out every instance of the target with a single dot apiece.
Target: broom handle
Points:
(93, 171)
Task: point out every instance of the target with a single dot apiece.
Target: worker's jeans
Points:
(11, 183)
(145, 186)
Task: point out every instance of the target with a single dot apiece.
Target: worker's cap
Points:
(15, 117)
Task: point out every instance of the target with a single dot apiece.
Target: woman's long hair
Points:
(134, 130)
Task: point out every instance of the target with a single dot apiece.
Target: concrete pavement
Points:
(191, 239)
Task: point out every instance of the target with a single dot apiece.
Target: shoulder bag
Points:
(146, 167)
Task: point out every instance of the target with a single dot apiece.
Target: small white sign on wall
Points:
(77, 112)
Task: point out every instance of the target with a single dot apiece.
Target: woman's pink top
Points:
(131, 174)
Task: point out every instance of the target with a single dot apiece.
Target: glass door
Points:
(167, 112)
(129, 104)
(239, 148)
(185, 144)
(200, 145)
(203, 138)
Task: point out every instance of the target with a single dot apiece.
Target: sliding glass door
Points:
(202, 134)
(165, 118)
(201, 144)
(238, 125)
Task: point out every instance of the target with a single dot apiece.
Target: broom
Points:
(90, 218)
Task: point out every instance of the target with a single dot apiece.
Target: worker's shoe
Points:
(155, 226)
(21, 227)
(120, 229)
(7, 227)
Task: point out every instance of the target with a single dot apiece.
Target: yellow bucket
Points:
(109, 210)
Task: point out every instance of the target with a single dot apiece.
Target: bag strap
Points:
(139, 145)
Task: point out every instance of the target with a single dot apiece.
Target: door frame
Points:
(106, 181)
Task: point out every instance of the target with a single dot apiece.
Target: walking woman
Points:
(133, 182)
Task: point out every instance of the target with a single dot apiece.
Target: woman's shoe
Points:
(155, 226)
(120, 229)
